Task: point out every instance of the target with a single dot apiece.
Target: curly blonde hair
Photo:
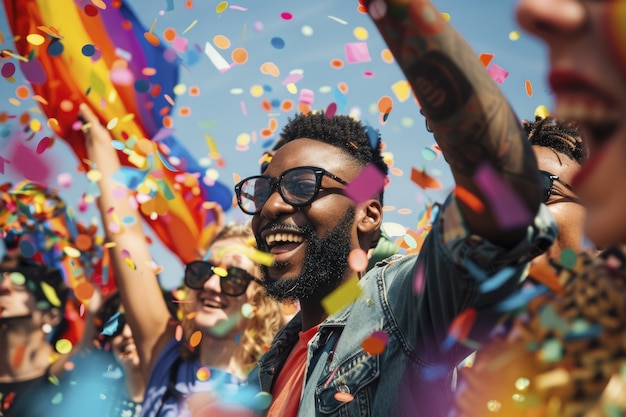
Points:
(258, 331)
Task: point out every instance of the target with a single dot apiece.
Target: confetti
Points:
(345, 294)
(366, 185)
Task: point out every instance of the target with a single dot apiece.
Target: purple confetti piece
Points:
(508, 208)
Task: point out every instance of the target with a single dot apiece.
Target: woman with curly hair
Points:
(227, 322)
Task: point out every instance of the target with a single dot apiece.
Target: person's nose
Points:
(275, 206)
(213, 284)
(551, 19)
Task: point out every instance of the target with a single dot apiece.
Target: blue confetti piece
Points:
(111, 326)
(129, 177)
(448, 343)
(475, 271)
(170, 5)
(588, 331)
(520, 298)
(433, 372)
(340, 99)
(373, 136)
(496, 281)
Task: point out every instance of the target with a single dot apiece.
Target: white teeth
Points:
(283, 237)
(582, 111)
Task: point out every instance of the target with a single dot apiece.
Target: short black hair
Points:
(362, 143)
(562, 137)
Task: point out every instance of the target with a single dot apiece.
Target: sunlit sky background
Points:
(229, 105)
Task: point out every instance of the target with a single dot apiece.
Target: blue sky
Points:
(316, 34)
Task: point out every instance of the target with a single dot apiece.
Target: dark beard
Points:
(324, 266)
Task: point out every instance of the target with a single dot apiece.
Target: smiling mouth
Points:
(212, 303)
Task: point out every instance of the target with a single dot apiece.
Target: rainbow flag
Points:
(99, 53)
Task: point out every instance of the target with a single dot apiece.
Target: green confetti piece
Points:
(568, 258)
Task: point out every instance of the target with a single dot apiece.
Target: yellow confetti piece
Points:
(360, 33)
(130, 263)
(446, 16)
(63, 346)
(191, 25)
(221, 7)
(203, 373)
(542, 111)
(514, 35)
(345, 294)
(71, 252)
(260, 257)
(94, 175)
(138, 160)
(51, 294)
(402, 90)
(35, 39)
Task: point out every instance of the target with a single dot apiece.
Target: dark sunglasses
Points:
(297, 186)
(233, 281)
(547, 181)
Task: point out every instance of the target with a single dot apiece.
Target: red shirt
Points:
(288, 387)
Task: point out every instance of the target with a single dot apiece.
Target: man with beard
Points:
(321, 364)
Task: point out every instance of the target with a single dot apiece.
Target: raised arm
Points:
(469, 116)
(146, 310)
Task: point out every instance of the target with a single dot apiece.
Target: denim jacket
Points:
(412, 375)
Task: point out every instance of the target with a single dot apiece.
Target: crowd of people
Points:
(529, 282)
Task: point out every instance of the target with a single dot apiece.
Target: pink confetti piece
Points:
(180, 44)
(64, 180)
(292, 79)
(43, 144)
(497, 73)
(357, 52)
(240, 8)
(286, 16)
(244, 110)
(366, 185)
(418, 278)
(331, 110)
(507, 206)
(29, 164)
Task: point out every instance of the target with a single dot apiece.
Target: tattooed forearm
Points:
(465, 109)
(468, 114)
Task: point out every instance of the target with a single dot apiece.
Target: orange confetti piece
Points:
(18, 356)
(385, 104)
(240, 56)
(546, 275)
(195, 338)
(152, 39)
(469, 199)
(336, 63)
(84, 290)
(425, 181)
(462, 324)
(221, 41)
(169, 34)
(529, 88)
(485, 59)
(373, 345)
(344, 397)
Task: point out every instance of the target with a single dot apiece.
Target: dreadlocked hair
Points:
(258, 331)
(562, 137)
(343, 132)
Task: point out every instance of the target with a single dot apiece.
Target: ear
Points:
(368, 221)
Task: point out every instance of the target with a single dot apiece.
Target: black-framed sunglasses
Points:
(547, 181)
(297, 186)
(233, 281)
